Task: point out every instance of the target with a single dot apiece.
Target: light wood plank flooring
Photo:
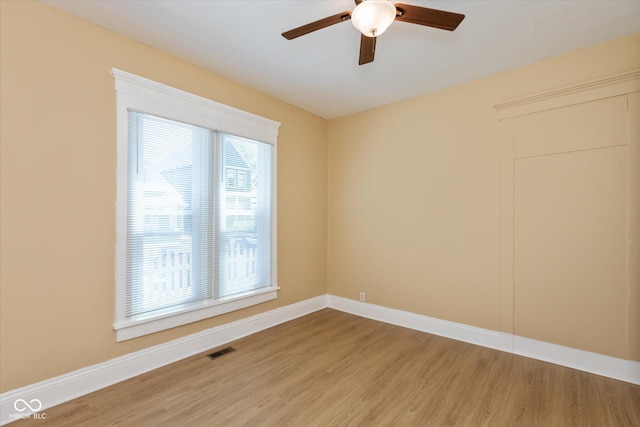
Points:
(334, 369)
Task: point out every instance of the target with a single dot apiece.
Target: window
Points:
(195, 212)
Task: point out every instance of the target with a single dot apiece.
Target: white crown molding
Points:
(69, 386)
(620, 369)
(619, 84)
(74, 384)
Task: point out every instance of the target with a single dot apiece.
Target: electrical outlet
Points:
(362, 298)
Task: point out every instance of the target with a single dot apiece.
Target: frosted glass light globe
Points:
(373, 17)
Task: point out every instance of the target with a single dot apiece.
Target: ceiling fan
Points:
(373, 17)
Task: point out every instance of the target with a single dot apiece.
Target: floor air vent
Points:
(221, 352)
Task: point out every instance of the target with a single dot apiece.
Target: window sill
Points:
(140, 326)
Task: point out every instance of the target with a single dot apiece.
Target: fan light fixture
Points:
(373, 17)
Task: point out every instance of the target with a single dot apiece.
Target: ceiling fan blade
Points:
(316, 25)
(367, 49)
(429, 17)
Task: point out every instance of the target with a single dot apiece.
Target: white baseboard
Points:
(620, 369)
(607, 366)
(69, 386)
(444, 328)
(61, 389)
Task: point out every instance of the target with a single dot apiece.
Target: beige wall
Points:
(58, 165)
(414, 210)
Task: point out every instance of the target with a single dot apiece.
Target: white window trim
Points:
(146, 96)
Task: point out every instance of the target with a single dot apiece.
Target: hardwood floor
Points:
(334, 369)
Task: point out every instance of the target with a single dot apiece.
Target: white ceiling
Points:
(319, 72)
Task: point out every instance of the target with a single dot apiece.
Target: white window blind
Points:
(195, 209)
(193, 234)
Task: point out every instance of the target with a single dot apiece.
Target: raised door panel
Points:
(570, 222)
(600, 123)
